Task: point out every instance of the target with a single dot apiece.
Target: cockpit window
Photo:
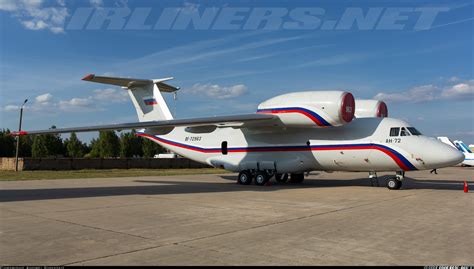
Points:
(413, 131)
(404, 132)
(394, 131)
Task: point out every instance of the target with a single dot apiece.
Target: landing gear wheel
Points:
(282, 178)
(297, 178)
(245, 177)
(261, 178)
(394, 184)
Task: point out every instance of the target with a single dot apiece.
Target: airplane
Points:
(289, 135)
(459, 145)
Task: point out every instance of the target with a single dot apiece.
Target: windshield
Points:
(413, 131)
(404, 132)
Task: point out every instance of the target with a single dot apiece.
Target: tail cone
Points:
(466, 188)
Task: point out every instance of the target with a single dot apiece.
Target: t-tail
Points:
(145, 94)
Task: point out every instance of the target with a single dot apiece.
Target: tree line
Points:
(107, 145)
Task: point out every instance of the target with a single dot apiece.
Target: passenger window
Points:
(394, 131)
(404, 132)
(224, 147)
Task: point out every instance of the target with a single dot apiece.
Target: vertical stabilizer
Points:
(149, 103)
(145, 94)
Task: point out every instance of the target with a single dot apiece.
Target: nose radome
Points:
(441, 155)
(454, 156)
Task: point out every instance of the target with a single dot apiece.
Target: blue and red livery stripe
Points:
(176, 144)
(320, 121)
(401, 161)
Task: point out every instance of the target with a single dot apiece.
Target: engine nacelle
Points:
(370, 109)
(312, 108)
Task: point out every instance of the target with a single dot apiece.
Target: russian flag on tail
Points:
(149, 100)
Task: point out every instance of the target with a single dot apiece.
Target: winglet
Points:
(20, 133)
(89, 77)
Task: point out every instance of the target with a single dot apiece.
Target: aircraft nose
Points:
(440, 155)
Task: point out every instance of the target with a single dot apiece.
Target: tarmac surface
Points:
(329, 219)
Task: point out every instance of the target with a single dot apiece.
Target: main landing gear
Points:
(395, 183)
(262, 177)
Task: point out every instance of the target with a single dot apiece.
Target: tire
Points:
(394, 184)
(245, 178)
(261, 178)
(297, 178)
(282, 178)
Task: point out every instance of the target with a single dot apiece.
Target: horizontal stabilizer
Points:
(131, 83)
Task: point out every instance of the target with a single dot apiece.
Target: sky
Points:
(227, 57)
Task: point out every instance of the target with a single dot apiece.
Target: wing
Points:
(236, 121)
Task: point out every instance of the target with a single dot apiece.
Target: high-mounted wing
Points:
(237, 121)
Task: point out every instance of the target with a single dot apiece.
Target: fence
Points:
(97, 163)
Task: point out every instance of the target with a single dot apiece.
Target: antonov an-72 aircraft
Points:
(289, 135)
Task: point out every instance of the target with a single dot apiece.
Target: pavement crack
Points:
(113, 255)
(82, 225)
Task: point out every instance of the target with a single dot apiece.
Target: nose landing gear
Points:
(395, 183)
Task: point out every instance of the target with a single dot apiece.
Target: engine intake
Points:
(370, 109)
(312, 108)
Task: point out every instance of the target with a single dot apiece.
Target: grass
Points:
(103, 173)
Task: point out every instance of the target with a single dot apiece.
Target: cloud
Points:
(416, 94)
(463, 90)
(95, 102)
(111, 95)
(11, 108)
(34, 16)
(96, 3)
(206, 50)
(336, 60)
(453, 79)
(44, 98)
(84, 102)
(218, 92)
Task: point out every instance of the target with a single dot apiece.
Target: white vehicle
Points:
(289, 134)
(166, 156)
(459, 145)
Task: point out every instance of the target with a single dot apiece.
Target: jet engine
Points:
(370, 109)
(312, 108)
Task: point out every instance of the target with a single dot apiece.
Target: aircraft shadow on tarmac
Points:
(183, 187)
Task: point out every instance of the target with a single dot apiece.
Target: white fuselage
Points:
(364, 144)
